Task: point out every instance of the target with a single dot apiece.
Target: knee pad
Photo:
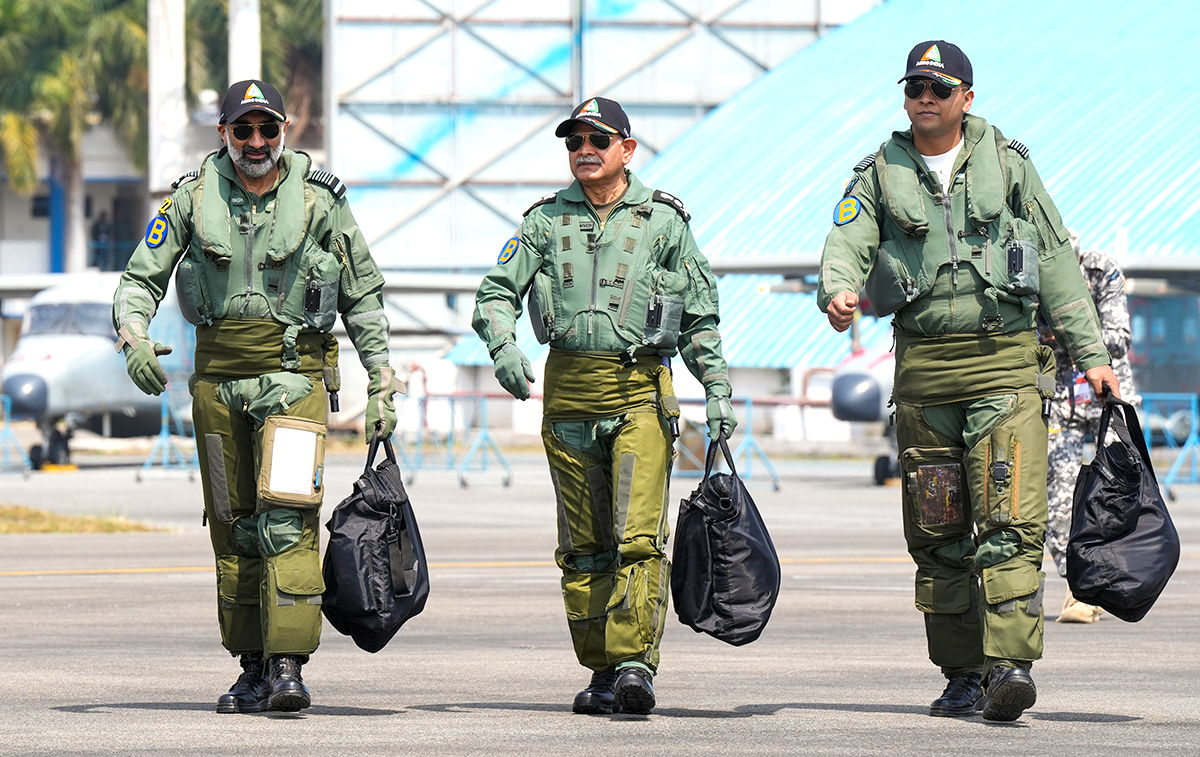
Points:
(279, 529)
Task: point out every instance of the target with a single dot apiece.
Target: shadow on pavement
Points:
(87, 709)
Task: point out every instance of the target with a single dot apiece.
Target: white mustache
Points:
(585, 160)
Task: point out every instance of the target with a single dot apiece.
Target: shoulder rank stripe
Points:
(329, 181)
(184, 179)
(865, 163)
(1020, 148)
(673, 201)
(541, 201)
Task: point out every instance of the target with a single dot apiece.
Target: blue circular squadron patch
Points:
(846, 211)
(510, 249)
(156, 232)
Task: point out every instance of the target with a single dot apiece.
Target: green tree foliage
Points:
(66, 65)
(292, 44)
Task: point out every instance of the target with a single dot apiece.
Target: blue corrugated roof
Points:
(759, 329)
(1103, 93)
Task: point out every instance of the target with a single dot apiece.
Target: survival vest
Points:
(974, 227)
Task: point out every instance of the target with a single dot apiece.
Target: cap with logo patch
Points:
(249, 95)
(600, 112)
(938, 59)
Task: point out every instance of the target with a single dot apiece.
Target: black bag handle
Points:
(711, 456)
(374, 448)
(1133, 428)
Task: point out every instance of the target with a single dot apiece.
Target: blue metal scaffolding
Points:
(166, 454)
(444, 452)
(1174, 410)
(12, 456)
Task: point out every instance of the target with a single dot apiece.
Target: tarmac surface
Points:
(109, 642)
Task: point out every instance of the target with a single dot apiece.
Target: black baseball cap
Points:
(249, 95)
(938, 59)
(600, 112)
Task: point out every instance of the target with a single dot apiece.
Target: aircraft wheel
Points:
(36, 457)
(59, 452)
(883, 469)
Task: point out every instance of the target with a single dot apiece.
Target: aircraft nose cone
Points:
(30, 394)
(855, 397)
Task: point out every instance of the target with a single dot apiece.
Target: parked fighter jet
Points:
(66, 374)
(861, 390)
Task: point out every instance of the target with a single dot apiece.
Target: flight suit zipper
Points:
(247, 228)
(594, 251)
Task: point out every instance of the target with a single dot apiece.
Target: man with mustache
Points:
(616, 286)
(268, 254)
(948, 227)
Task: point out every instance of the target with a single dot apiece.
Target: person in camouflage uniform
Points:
(1076, 411)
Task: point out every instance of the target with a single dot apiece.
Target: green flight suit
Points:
(965, 273)
(615, 299)
(263, 278)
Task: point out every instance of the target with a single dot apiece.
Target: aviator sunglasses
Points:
(914, 88)
(599, 140)
(268, 130)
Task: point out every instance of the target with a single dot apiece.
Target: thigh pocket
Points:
(935, 493)
(1003, 460)
(293, 461)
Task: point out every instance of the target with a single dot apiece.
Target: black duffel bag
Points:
(1123, 546)
(725, 578)
(376, 577)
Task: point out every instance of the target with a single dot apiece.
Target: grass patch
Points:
(15, 519)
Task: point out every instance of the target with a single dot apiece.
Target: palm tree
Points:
(65, 66)
(292, 44)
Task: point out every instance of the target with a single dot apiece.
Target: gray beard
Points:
(254, 169)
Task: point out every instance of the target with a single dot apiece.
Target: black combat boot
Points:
(250, 692)
(288, 692)
(959, 698)
(597, 698)
(633, 691)
(1007, 693)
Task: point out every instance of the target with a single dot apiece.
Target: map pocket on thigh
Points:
(934, 487)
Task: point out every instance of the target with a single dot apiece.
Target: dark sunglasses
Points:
(914, 88)
(599, 140)
(242, 131)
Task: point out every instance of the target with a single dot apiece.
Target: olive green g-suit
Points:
(263, 278)
(615, 298)
(965, 273)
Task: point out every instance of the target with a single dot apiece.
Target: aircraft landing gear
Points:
(59, 450)
(56, 450)
(886, 467)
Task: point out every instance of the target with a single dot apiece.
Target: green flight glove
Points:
(141, 362)
(381, 412)
(720, 417)
(513, 371)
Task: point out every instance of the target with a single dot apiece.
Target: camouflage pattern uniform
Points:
(1068, 426)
